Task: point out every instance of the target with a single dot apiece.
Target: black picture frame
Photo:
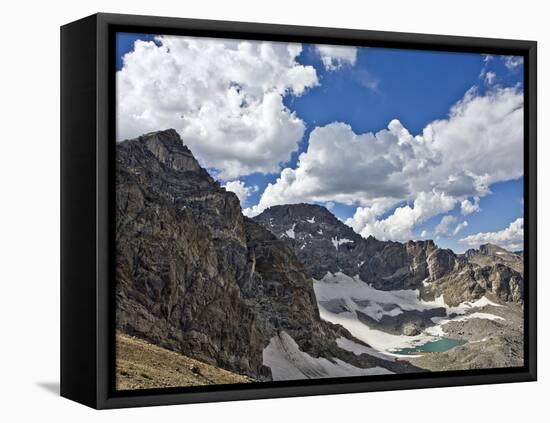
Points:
(87, 201)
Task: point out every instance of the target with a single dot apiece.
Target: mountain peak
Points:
(487, 249)
(168, 148)
(311, 220)
(490, 249)
(168, 138)
(426, 242)
(300, 210)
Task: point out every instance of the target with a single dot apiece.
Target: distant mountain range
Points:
(288, 294)
(325, 244)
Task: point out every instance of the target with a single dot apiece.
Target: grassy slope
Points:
(141, 365)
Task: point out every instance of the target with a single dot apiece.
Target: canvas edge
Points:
(78, 311)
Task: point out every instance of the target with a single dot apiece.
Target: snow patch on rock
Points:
(290, 233)
(288, 362)
(337, 242)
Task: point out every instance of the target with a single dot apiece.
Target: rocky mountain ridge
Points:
(325, 244)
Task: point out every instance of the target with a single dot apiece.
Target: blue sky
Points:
(366, 93)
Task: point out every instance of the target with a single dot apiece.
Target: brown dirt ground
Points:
(141, 365)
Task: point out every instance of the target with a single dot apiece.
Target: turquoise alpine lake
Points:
(440, 345)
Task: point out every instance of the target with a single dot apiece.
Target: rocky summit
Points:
(195, 276)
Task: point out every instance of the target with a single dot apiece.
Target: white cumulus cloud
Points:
(490, 78)
(510, 238)
(483, 137)
(334, 57)
(469, 207)
(443, 228)
(512, 62)
(459, 227)
(400, 224)
(454, 159)
(224, 97)
(340, 165)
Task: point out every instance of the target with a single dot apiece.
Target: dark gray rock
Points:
(411, 329)
(179, 265)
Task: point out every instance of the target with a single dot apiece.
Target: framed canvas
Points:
(257, 211)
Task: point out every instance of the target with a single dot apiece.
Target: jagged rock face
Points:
(179, 267)
(195, 276)
(440, 262)
(278, 288)
(325, 244)
(502, 281)
(471, 281)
